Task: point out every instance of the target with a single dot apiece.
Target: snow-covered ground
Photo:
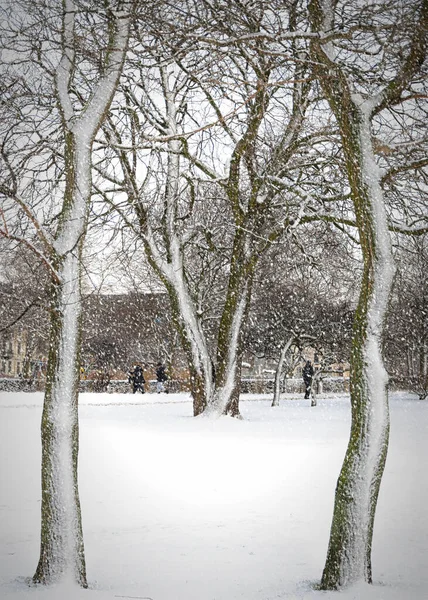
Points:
(177, 508)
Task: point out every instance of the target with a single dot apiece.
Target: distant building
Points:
(13, 348)
(20, 358)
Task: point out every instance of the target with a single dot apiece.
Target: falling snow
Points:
(167, 514)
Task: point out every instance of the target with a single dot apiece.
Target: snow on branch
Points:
(105, 88)
(276, 38)
(88, 121)
(64, 70)
(54, 273)
(392, 93)
(410, 229)
(42, 234)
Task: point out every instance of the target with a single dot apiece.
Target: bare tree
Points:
(208, 169)
(82, 107)
(359, 87)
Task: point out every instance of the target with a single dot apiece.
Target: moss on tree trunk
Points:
(61, 549)
(349, 551)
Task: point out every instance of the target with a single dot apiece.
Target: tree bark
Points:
(225, 399)
(277, 383)
(349, 552)
(61, 549)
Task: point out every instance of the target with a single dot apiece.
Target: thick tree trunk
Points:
(225, 399)
(349, 552)
(61, 550)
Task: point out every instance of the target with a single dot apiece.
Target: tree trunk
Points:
(277, 383)
(225, 399)
(61, 549)
(409, 363)
(349, 552)
(314, 393)
(189, 330)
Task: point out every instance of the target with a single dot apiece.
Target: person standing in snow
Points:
(308, 373)
(136, 377)
(161, 377)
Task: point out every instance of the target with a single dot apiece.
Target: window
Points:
(9, 366)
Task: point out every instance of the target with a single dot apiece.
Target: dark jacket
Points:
(160, 373)
(308, 373)
(137, 376)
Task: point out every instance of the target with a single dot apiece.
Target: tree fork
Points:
(349, 551)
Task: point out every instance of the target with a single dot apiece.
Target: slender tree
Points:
(82, 108)
(356, 104)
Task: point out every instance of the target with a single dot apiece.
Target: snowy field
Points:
(177, 508)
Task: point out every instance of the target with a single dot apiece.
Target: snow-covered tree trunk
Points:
(225, 399)
(186, 320)
(349, 552)
(169, 265)
(62, 551)
(279, 367)
(313, 391)
(192, 339)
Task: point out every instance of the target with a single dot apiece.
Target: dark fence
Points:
(293, 386)
(248, 385)
(116, 386)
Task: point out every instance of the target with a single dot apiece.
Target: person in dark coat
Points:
(161, 377)
(308, 373)
(136, 377)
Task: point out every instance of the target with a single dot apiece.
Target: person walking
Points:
(136, 377)
(308, 373)
(161, 377)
